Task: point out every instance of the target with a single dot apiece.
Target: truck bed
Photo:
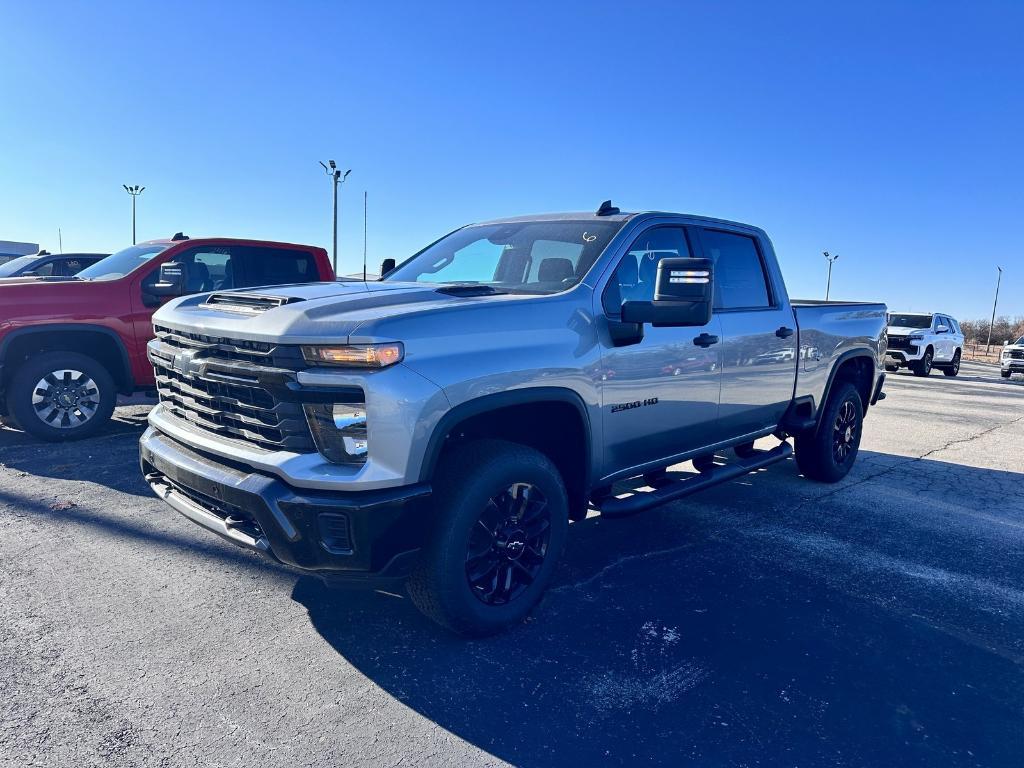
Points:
(827, 331)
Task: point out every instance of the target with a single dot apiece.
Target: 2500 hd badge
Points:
(635, 404)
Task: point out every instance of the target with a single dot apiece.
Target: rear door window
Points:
(253, 266)
(740, 278)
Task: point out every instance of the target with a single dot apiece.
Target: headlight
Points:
(916, 337)
(356, 355)
(339, 431)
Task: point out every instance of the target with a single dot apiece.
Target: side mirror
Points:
(942, 329)
(173, 279)
(683, 295)
(386, 266)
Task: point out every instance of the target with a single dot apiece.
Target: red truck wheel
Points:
(61, 396)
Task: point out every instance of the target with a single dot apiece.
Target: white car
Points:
(921, 342)
(1012, 359)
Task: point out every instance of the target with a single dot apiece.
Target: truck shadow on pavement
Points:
(769, 621)
(109, 458)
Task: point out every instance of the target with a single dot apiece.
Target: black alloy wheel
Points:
(845, 435)
(508, 544)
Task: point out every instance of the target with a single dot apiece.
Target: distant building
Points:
(10, 249)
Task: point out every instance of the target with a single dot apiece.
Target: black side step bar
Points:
(677, 489)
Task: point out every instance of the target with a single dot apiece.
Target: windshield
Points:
(516, 257)
(119, 264)
(9, 268)
(910, 321)
(1019, 342)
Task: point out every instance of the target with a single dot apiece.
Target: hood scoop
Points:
(248, 302)
(469, 290)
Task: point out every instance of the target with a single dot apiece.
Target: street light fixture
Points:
(337, 177)
(992, 322)
(831, 259)
(134, 191)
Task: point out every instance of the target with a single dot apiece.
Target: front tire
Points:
(1005, 374)
(923, 367)
(828, 453)
(954, 367)
(502, 517)
(59, 396)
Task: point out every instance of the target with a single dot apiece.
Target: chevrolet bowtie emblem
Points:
(186, 364)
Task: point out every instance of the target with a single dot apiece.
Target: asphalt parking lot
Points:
(771, 621)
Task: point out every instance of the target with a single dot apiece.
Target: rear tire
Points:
(502, 517)
(954, 367)
(827, 453)
(60, 396)
(923, 367)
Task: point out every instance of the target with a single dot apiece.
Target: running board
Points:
(677, 489)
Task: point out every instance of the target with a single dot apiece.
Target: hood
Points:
(901, 330)
(23, 279)
(311, 312)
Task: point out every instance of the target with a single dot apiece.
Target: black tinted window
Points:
(740, 281)
(635, 276)
(253, 266)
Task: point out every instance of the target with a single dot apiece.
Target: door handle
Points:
(784, 332)
(705, 340)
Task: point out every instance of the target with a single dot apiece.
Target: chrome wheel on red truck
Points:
(61, 396)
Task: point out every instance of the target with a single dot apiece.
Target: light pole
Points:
(830, 259)
(992, 322)
(337, 178)
(134, 191)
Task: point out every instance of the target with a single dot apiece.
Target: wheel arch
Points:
(552, 420)
(100, 343)
(856, 366)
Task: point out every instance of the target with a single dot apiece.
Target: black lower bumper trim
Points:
(364, 535)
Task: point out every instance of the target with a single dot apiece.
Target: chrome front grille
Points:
(227, 387)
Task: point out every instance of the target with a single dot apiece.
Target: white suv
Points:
(921, 342)
(1012, 359)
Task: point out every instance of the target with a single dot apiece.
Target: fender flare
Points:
(81, 327)
(497, 401)
(843, 358)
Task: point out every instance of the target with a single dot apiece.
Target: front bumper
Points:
(1012, 364)
(903, 356)
(364, 536)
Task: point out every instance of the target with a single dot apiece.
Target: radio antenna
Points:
(364, 235)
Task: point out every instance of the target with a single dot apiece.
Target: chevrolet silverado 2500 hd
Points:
(70, 344)
(446, 423)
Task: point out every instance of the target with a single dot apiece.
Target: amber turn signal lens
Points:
(356, 355)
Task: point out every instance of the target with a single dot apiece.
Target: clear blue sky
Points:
(890, 133)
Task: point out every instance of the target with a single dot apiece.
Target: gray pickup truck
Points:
(445, 424)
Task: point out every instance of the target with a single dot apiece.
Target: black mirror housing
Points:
(683, 295)
(386, 266)
(173, 279)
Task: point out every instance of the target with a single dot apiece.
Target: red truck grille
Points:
(227, 387)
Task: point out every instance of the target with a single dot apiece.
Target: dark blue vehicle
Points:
(45, 264)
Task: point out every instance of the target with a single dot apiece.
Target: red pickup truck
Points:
(69, 345)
